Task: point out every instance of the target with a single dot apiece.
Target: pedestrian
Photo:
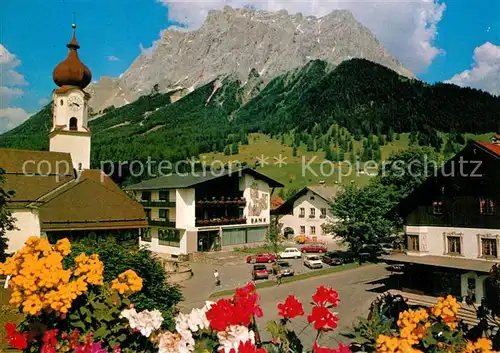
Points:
(216, 277)
(278, 277)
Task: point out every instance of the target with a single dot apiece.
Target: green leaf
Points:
(78, 324)
(102, 332)
(99, 306)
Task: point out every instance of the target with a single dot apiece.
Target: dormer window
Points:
(437, 207)
(73, 124)
(486, 206)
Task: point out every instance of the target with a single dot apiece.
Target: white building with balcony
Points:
(307, 212)
(205, 211)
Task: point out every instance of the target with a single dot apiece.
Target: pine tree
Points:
(329, 154)
(390, 135)
(294, 151)
(310, 144)
(398, 137)
(352, 157)
(282, 141)
(227, 151)
(235, 149)
(449, 148)
(413, 138)
(381, 140)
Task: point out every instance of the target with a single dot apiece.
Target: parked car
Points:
(332, 258)
(313, 261)
(290, 253)
(260, 272)
(261, 258)
(284, 267)
(319, 248)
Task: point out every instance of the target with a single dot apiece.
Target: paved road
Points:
(356, 288)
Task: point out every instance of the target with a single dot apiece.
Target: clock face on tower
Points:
(75, 102)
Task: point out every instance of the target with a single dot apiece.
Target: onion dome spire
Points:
(71, 71)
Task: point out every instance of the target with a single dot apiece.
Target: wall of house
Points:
(185, 209)
(258, 196)
(155, 246)
(28, 224)
(479, 285)
(294, 220)
(433, 241)
(77, 145)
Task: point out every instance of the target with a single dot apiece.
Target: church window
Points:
(62, 102)
(73, 124)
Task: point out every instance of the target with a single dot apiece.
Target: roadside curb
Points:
(298, 278)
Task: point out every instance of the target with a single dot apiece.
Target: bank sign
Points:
(258, 220)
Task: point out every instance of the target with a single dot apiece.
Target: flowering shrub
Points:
(431, 330)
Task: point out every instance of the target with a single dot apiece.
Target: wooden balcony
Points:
(158, 203)
(220, 222)
(162, 223)
(222, 202)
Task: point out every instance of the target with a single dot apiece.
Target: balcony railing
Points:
(162, 223)
(220, 222)
(158, 203)
(222, 202)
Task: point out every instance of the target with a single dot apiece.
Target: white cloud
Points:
(407, 29)
(11, 117)
(485, 71)
(7, 93)
(8, 62)
(113, 58)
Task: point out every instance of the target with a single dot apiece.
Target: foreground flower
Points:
(482, 345)
(127, 283)
(169, 342)
(386, 344)
(340, 349)
(231, 338)
(16, 339)
(247, 347)
(291, 308)
(146, 321)
(322, 318)
(324, 296)
(90, 347)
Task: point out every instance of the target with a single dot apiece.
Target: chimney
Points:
(495, 140)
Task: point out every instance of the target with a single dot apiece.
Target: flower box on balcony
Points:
(322, 216)
(301, 216)
(312, 216)
(242, 202)
(242, 220)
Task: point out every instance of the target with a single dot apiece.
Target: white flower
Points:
(146, 321)
(172, 343)
(234, 334)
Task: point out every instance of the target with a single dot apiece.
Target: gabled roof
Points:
(32, 174)
(71, 208)
(326, 192)
(189, 180)
(427, 191)
(67, 200)
(276, 201)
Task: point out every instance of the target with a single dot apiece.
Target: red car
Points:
(261, 258)
(260, 272)
(314, 248)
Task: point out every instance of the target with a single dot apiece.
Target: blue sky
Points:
(436, 40)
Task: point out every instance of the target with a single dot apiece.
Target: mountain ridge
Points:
(236, 41)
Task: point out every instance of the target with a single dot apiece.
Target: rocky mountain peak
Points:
(239, 41)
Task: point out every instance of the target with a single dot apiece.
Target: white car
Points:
(313, 261)
(290, 253)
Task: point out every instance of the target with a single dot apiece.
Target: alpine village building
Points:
(55, 192)
(209, 210)
(452, 225)
(307, 212)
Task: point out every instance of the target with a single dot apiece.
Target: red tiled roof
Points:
(491, 147)
(276, 201)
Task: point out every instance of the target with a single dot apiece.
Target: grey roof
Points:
(189, 180)
(326, 192)
(442, 261)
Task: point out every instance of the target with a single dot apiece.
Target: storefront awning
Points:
(441, 261)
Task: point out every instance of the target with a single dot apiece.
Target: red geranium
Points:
(325, 295)
(17, 340)
(49, 341)
(341, 349)
(323, 318)
(291, 308)
(248, 347)
(220, 314)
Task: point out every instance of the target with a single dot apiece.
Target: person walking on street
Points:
(278, 277)
(216, 277)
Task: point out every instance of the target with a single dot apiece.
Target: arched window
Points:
(73, 124)
(79, 166)
(62, 102)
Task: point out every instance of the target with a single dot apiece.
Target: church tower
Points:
(70, 132)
